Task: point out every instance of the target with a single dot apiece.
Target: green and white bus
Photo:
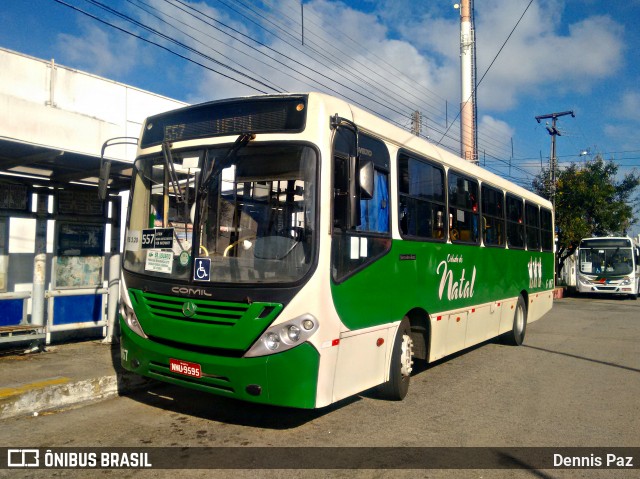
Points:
(608, 265)
(296, 250)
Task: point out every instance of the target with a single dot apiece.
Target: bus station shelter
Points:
(59, 243)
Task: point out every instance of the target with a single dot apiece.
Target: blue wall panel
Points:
(11, 311)
(77, 309)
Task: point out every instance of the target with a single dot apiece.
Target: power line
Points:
(401, 76)
(323, 53)
(294, 61)
(139, 4)
(374, 71)
(174, 41)
(392, 108)
(352, 100)
(94, 17)
(389, 102)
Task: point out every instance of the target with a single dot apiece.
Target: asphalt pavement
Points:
(62, 376)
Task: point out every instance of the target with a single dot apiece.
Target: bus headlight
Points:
(284, 336)
(127, 312)
(626, 281)
(293, 332)
(129, 316)
(272, 341)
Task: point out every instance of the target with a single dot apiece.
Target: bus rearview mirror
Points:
(103, 181)
(366, 179)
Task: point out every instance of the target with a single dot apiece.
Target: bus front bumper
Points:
(285, 379)
(617, 288)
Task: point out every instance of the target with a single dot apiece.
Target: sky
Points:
(392, 57)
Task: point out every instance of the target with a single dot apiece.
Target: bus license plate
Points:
(185, 368)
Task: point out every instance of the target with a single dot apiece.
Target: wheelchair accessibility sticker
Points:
(202, 270)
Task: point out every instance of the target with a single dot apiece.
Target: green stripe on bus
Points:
(438, 277)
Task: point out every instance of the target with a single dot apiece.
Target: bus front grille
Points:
(193, 310)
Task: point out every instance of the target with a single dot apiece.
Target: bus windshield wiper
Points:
(207, 178)
(240, 142)
(168, 159)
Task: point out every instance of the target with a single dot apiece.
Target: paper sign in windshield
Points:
(159, 261)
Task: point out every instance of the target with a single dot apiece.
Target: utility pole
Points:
(416, 123)
(468, 128)
(553, 159)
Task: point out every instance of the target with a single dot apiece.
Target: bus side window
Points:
(463, 209)
(492, 216)
(515, 223)
(354, 246)
(546, 229)
(421, 199)
(532, 220)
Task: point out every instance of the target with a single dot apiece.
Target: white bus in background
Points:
(608, 266)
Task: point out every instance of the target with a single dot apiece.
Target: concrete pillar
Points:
(40, 262)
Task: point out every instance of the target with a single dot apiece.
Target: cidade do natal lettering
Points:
(456, 288)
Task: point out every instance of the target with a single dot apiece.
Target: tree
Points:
(589, 201)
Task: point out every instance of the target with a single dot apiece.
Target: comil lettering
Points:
(461, 288)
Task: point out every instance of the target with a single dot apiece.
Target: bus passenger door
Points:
(361, 233)
(362, 292)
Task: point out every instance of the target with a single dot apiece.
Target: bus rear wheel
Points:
(396, 388)
(515, 337)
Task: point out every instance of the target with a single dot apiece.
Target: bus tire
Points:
(396, 388)
(515, 337)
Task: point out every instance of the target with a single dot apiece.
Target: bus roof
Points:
(606, 242)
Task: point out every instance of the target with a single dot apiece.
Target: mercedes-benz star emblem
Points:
(189, 309)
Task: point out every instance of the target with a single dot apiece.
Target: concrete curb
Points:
(32, 399)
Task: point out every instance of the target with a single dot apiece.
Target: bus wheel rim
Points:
(519, 319)
(406, 364)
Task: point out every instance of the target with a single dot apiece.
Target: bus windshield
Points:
(251, 212)
(606, 257)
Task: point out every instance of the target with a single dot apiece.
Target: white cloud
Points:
(99, 51)
(622, 125)
(623, 135)
(629, 106)
(540, 55)
(489, 125)
(537, 58)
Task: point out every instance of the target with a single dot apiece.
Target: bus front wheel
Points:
(396, 388)
(515, 337)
